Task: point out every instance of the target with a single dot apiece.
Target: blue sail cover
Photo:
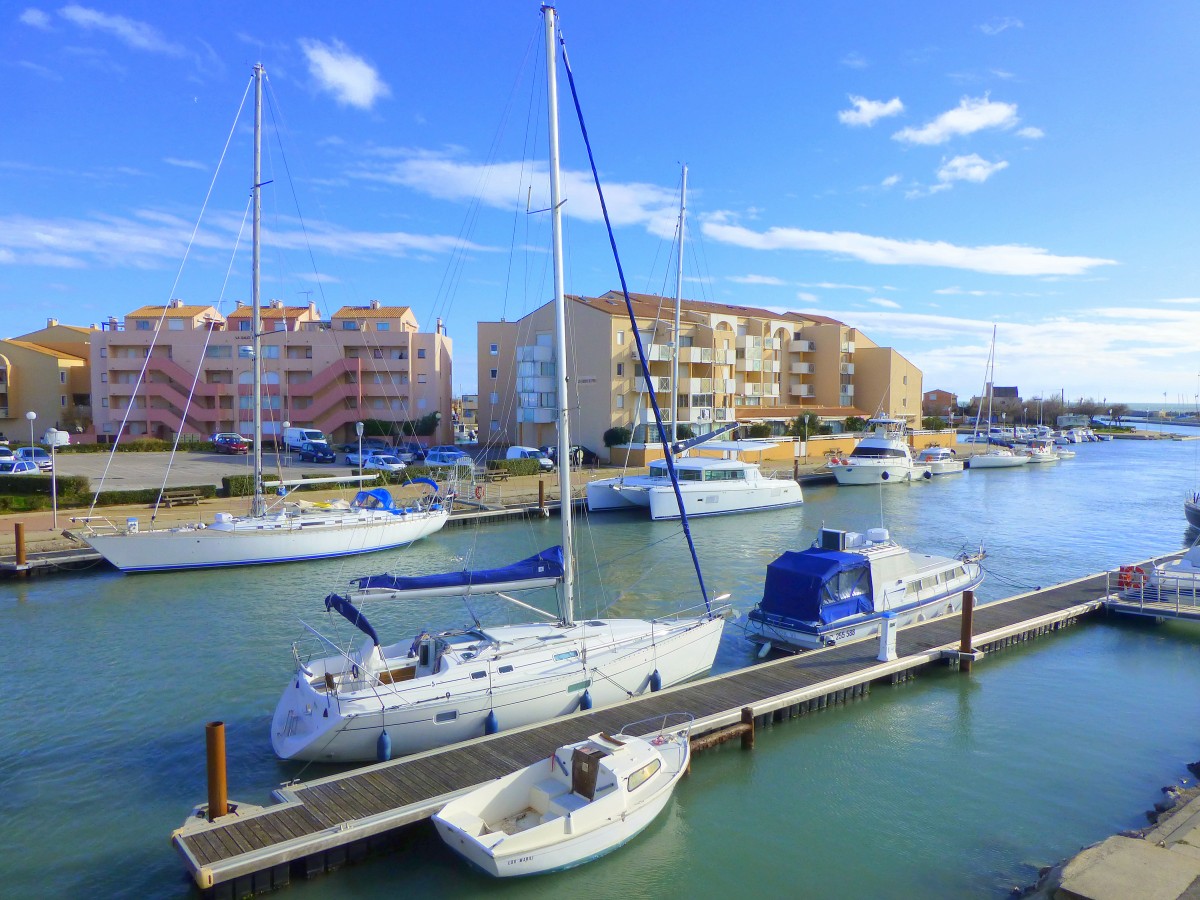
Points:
(352, 614)
(816, 586)
(546, 565)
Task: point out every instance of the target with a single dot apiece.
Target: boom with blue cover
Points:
(542, 570)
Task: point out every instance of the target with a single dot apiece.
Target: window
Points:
(504, 670)
(104, 402)
(104, 378)
(494, 425)
(175, 324)
(244, 325)
(686, 340)
(493, 371)
(493, 398)
(384, 326)
(620, 401)
(906, 379)
(420, 379)
(494, 349)
(620, 369)
(143, 325)
(421, 353)
(644, 774)
(62, 400)
(270, 352)
(620, 338)
(62, 377)
(446, 716)
(377, 354)
(218, 351)
(349, 326)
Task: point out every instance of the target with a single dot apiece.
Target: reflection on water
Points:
(952, 785)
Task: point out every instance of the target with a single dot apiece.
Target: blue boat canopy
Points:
(376, 498)
(541, 570)
(817, 586)
(352, 614)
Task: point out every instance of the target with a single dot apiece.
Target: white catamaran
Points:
(287, 531)
(379, 700)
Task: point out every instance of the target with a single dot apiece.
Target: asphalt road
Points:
(135, 471)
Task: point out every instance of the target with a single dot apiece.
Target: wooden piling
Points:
(964, 645)
(19, 532)
(214, 741)
(541, 496)
(748, 734)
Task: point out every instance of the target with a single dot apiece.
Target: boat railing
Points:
(1154, 588)
(98, 524)
(695, 609)
(668, 724)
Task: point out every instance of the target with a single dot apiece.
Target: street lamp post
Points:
(32, 417)
(358, 429)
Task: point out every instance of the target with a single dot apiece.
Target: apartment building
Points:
(736, 364)
(194, 369)
(45, 372)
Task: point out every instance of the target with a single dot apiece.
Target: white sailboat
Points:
(995, 456)
(288, 531)
(379, 700)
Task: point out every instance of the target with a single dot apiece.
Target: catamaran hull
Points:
(311, 725)
(804, 637)
(277, 542)
(613, 494)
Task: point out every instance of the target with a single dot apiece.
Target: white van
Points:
(56, 437)
(294, 438)
(544, 461)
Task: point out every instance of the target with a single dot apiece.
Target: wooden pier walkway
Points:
(320, 824)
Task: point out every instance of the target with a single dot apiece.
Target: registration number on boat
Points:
(843, 635)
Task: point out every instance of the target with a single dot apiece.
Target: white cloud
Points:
(34, 18)
(834, 286)
(884, 302)
(890, 181)
(868, 112)
(999, 24)
(972, 168)
(806, 297)
(1182, 300)
(42, 71)
(854, 60)
(971, 115)
(757, 279)
(1004, 259)
(963, 292)
(185, 164)
(130, 32)
(351, 79)
(1031, 132)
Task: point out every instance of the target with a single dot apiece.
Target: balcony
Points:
(540, 384)
(654, 352)
(662, 384)
(749, 365)
(724, 357)
(803, 368)
(847, 346)
(802, 347)
(696, 354)
(535, 353)
(539, 415)
(749, 342)
(722, 414)
(847, 368)
(695, 385)
(796, 389)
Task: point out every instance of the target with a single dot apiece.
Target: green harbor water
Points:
(947, 786)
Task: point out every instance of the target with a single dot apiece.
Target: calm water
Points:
(949, 786)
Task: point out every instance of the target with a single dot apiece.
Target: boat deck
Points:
(320, 824)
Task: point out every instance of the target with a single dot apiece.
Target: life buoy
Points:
(479, 492)
(1131, 576)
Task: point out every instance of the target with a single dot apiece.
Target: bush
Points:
(855, 424)
(933, 423)
(617, 437)
(758, 430)
(515, 466)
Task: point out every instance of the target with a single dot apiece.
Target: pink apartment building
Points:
(365, 362)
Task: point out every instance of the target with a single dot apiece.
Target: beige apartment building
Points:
(194, 365)
(45, 372)
(736, 364)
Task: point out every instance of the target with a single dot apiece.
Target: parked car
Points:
(14, 466)
(544, 461)
(410, 452)
(446, 455)
(384, 462)
(36, 455)
(230, 444)
(377, 444)
(582, 456)
(316, 452)
(6, 452)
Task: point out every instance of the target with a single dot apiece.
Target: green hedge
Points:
(21, 493)
(515, 466)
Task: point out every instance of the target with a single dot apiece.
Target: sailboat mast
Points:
(678, 301)
(567, 607)
(257, 505)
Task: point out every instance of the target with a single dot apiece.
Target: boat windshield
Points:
(659, 470)
(724, 474)
(861, 452)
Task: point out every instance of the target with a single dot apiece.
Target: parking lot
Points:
(134, 471)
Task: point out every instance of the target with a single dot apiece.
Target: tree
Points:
(805, 425)
(617, 437)
(854, 424)
(759, 430)
(933, 423)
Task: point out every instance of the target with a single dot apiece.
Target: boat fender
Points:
(383, 747)
(655, 681)
(928, 476)
(884, 476)
(479, 493)
(764, 650)
(491, 724)
(585, 702)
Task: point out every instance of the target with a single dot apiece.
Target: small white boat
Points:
(841, 588)
(1040, 450)
(941, 460)
(882, 456)
(588, 799)
(709, 486)
(997, 458)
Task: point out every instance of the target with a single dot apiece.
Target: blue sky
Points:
(918, 171)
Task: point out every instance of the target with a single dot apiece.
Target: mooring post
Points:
(965, 653)
(541, 496)
(214, 741)
(795, 469)
(19, 533)
(748, 734)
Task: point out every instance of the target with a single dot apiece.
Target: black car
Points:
(318, 453)
(581, 456)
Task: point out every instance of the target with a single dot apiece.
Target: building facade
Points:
(736, 364)
(46, 372)
(187, 369)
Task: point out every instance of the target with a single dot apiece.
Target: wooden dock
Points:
(321, 824)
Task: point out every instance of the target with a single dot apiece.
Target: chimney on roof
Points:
(175, 304)
(94, 327)
(312, 309)
(276, 304)
(374, 304)
(112, 320)
(50, 323)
